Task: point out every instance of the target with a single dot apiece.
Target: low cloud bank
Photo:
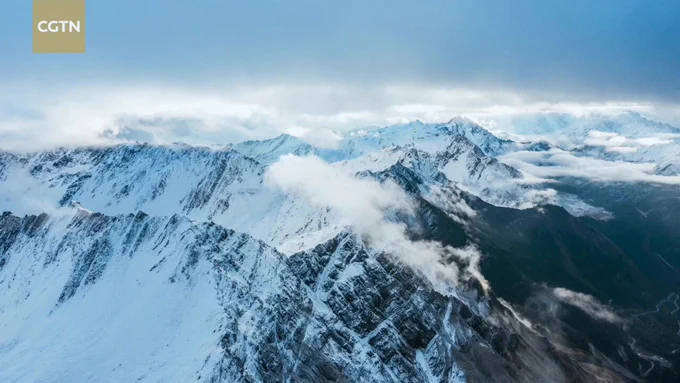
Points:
(161, 113)
(539, 167)
(615, 142)
(364, 205)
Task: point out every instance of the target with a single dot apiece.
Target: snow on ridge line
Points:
(430, 137)
(214, 186)
(154, 310)
(222, 186)
(178, 145)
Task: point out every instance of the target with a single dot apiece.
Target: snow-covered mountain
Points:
(460, 149)
(221, 185)
(665, 155)
(356, 143)
(204, 184)
(227, 187)
(426, 137)
(89, 297)
(174, 263)
(130, 297)
(462, 163)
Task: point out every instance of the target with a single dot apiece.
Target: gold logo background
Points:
(58, 42)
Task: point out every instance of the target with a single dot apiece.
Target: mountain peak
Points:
(460, 120)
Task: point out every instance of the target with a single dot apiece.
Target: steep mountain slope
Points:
(570, 299)
(461, 163)
(529, 255)
(465, 164)
(533, 252)
(132, 297)
(204, 184)
(426, 137)
(135, 298)
(488, 143)
(221, 185)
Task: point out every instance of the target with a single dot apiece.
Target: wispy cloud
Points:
(586, 303)
(617, 143)
(541, 167)
(22, 194)
(365, 205)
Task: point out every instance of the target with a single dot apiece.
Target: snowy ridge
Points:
(426, 137)
(140, 298)
(219, 185)
(223, 186)
(462, 164)
(269, 151)
(228, 188)
(224, 278)
(666, 157)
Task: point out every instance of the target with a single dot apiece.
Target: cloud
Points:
(22, 194)
(538, 197)
(472, 256)
(597, 138)
(449, 199)
(35, 116)
(587, 50)
(617, 143)
(661, 139)
(541, 167)
(320, 137)
(586, 303)
(365, 205)
(622, 149)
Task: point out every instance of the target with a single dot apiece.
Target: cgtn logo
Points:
(59, 26)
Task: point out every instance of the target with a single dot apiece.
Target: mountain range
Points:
(435, 258)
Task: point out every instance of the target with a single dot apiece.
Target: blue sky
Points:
(540, 51)
(604, 49)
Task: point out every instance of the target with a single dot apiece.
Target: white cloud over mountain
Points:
(365, 205)
(615, 142)
(587, 303)
(545, 166)
(94, 114)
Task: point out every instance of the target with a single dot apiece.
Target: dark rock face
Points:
(416, 332)
(11, 227)
(530, 251)
(478, 159)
